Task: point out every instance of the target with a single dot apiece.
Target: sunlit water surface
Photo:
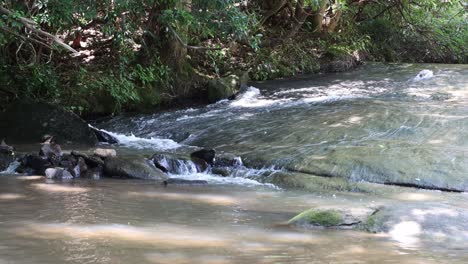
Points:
(381, 121)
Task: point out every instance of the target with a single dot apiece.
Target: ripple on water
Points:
(59, 188)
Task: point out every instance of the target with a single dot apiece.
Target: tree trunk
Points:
(317, 18)
(161, 41)
(172, 52)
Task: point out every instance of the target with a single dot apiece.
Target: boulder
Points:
(104, 137)
(105, 153)
(58, 174)
(332, 217)
(7, 155)
(132, 168)
(28, 122)
(227, 160)
(223, 88)
(207, 155)
(92, 161)
(34, 164)
(51, 151)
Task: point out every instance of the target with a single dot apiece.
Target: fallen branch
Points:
(25, 38)
(31, 25)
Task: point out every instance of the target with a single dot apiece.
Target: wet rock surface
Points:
(28, 122)
(332, 217)
(105, 153)
(223, 88)
(132, 168)
(104, 137)
(7, 155)
(206, 155)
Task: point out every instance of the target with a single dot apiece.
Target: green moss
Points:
(374, 222)
(325, 218)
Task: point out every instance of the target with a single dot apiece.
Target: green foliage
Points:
(133, 42)
(212, 19)
(425, 31)
(286, 60)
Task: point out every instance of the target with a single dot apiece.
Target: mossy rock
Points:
(318, 217)
(345, 217)
(223, 88)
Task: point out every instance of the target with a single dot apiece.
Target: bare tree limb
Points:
(31, 25)
(25, 38)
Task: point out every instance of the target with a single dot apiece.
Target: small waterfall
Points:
(185, 167)
(177, 166)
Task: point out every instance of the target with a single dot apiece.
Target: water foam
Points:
(142, 143)
(424, 75)
(214, 179)
(252, 98)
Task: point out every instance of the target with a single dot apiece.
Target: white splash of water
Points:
(423, 75)
(143, 143)
(252, 98)
(214, 179)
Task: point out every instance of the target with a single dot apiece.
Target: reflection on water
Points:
(375, 124)
(58, 188)
(111, 221)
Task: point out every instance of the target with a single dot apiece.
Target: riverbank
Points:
(146, 55)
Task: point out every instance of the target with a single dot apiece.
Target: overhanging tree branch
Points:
(31, 25)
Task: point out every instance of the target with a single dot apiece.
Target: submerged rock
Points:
(332, 217)
(310, 182)
(132, 168)
(176, 181)
(326, 218)
(27, 122)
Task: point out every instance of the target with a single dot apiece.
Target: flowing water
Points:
(391, 124)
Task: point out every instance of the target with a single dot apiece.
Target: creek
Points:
(389, 136)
